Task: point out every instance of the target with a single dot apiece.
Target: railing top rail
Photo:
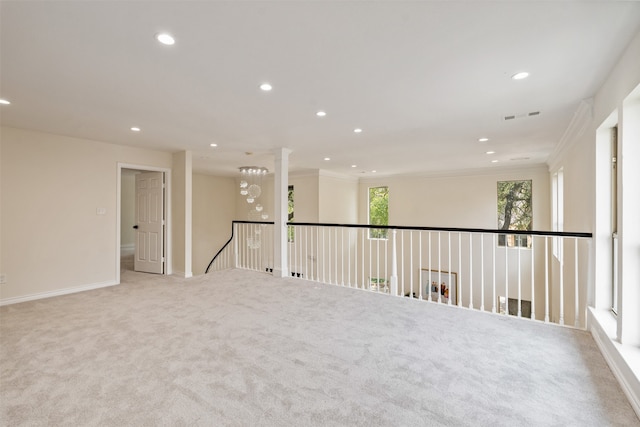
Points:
(237, 221)
(451, 229)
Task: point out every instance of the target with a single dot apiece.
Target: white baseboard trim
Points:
(56, 293)
(128, 249)
(617, 358)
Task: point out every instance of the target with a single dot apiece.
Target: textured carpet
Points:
(243, 348)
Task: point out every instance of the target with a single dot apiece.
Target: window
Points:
(614, 220)
(290, 229)
(514, 212)
(557, 208)
(378, 211)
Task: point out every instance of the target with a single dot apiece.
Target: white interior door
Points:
(149, 254)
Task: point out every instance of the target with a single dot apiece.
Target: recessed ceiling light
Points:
(494, 161)
(4, 101)
(491, 152)
(483, 139)
(357, 130)
(374, 171)
(266, 87)
(213, 145)
(321, 114)
(327, 158)
(135, 129)
(166, 38)
(354, 166)
(521, 75)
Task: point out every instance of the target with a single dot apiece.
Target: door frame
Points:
(167, 213)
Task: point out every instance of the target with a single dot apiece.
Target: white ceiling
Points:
(424, 80)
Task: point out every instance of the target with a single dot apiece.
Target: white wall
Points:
(337, 199)
(306, 200)
(455, 200)
(213, 211)
(52, 239)
(584, 156)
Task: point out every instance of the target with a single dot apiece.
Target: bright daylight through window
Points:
(378, 211)
(515, 212)
(290, 230)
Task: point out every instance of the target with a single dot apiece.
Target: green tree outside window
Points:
(290, 230)
(515, 212)
(378, 211)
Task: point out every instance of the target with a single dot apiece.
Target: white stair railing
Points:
(486, 270)
(250, 247)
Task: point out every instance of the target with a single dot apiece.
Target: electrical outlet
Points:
(3, 279)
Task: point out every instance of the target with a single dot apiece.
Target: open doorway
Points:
(143, 231)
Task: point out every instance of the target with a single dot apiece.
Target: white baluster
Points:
(306, 253)
(324, 259)
(426, 288)
(481, 272)
(243, 246)
(546, 279)
(533, 293)
(254, 252)
(342, 253)
(386, 251)
(330, 255)
(411, 263)
(355, 258)
(576, 323)
(470, 270)
(349, 257)
(393, 286)
(236, 232)
(561, 249)
(449, 266)
(506, 274)
(378, 263)
(439, 268)
(519, 277)
(335, 264)
(459, 293)
(493, 292)
(363, 232)
(402, 258)
(290, 249)
(296, 249)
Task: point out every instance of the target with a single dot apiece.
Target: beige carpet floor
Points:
(240, 348)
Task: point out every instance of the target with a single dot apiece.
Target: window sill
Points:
(623, 359)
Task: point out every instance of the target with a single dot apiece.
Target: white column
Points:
(181, 210)
(280, 212)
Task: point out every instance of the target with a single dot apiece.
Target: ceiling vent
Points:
(521, 116)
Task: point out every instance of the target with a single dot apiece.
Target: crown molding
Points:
(581, 119)
(336, 175)
(494, 171)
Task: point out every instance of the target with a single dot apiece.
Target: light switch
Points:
(101, 211)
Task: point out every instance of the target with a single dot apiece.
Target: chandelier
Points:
(251, 188)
